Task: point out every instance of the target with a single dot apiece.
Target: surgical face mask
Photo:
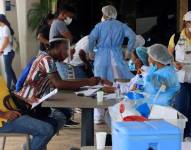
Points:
(132, 66)
(68, 20)
(153, 68)
(102, 19)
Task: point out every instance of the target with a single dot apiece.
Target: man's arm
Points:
(67, 35)
(10, 115)
(130, 34)
(171, 45)
(6, 33)
(5, 44)
(57, 82)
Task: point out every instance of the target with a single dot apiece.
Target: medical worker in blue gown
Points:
(107, 37)
(161, 72)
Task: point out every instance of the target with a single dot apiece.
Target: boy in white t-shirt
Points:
(78, 59)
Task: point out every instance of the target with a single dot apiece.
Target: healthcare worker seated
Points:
(139, 65)
(161, 76)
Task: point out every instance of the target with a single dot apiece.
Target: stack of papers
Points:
(88, 92)
(92, 87)
(44, 98)
(112, 96)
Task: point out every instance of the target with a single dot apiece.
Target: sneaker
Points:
(187, 139)
(74, 148)
(77, 110)
(99, 122)
(71, 123)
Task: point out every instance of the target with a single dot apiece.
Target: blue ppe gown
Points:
(108, 37)
(166, 76)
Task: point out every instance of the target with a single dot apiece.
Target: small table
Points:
(65, 99)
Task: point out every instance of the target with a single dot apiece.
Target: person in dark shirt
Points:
(44, 30)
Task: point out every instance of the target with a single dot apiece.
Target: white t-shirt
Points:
(5, 32)
(81, 45)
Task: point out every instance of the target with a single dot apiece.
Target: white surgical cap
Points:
(159, 53)
(187, 16)
(140, 41)
(109, 11)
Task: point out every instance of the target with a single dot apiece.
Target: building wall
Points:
(27, 39)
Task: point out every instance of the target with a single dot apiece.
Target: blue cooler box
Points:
(150, 135)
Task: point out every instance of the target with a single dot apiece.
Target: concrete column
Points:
(182, 8)
(27, 39)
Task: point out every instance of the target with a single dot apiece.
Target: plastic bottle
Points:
(140, 83)
(118, 92)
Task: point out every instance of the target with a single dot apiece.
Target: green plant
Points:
(37, 12)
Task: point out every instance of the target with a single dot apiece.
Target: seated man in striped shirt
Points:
(43, 76)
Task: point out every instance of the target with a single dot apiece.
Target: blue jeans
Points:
(183, 105)
(41, 131)
(11, 77)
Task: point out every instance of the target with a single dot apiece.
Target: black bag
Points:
(25, 109)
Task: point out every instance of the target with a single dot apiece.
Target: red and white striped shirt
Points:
(37, 82)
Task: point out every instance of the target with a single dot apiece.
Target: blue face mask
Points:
(132, 66)
(152, 68)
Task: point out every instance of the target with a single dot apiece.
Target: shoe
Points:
(71, 123)
(74, 148)
(77, 110)
(187, 139)
(99, 122)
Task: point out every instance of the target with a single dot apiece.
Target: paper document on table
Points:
(88, 92)
(112, 96)
(92, 87)
(44, 98)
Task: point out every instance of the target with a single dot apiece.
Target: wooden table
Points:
(87, 104)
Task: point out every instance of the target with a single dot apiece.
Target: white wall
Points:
(27, 39)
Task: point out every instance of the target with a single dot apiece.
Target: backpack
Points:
(24, 75)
